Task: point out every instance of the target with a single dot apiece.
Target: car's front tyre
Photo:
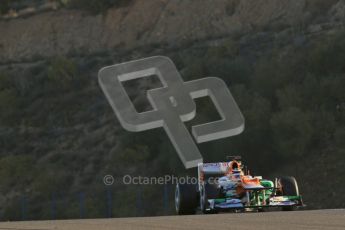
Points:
(289, 187)
(208, 191)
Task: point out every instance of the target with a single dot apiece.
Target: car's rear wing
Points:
(213, 168)
(207, 171)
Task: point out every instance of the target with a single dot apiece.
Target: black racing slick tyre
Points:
(186, 199)
(289, 187)
(208, 191)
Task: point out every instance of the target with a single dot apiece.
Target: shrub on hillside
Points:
(62, 71)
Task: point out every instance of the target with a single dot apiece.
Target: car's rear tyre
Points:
(186, 199)
(289, 187)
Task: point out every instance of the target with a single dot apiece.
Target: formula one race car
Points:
(227, 186)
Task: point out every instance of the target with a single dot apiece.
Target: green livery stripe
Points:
(217, 201)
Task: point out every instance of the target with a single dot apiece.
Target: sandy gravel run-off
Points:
(319, 219)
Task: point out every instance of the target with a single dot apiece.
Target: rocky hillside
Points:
(143, 23)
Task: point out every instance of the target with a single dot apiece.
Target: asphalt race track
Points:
(318, 219)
